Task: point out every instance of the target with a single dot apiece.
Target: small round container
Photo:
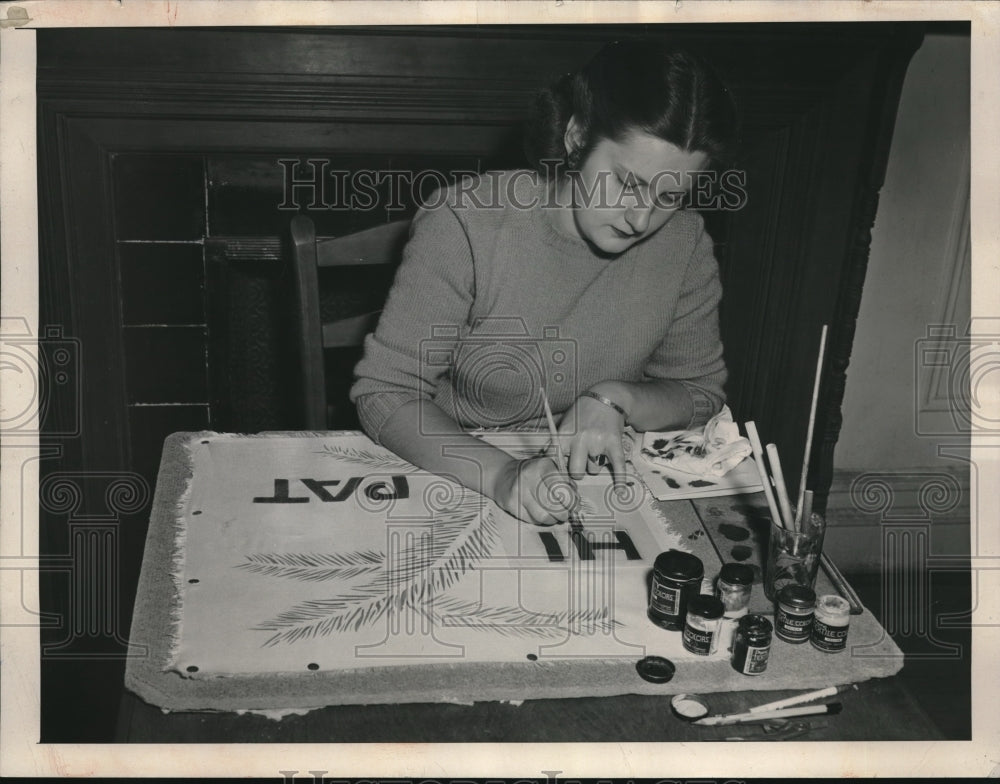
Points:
(655, 669)
(794, 616)
(701, 628)
(733, 588)
(752, 646)
(830, 626)
(676, 578)
(689, 707)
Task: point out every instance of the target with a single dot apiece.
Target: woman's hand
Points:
(591, 435)
(535, 490)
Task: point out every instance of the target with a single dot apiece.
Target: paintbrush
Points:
(574, 517)
(758, 455)
(780, 487)
(840, 583)
(809, 696)
(810, 428)
(782, 713)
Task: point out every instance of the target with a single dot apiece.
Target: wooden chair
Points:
(381, 245)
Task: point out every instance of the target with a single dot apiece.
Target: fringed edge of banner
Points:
(674, 539)
(177, 561)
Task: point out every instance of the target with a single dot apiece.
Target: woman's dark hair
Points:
(635, 85)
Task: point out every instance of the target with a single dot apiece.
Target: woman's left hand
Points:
(590, 431)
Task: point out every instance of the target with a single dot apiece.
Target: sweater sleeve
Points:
(428, 303)
(691, 351)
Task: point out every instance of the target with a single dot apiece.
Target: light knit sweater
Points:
(492, 301)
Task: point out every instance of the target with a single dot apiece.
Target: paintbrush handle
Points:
(758, 459)
(783, 713)
(840, 583)
(788, 702)
(812, 425)
(779, 486)
(553, 431)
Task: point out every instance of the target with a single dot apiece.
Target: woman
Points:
(586, 277)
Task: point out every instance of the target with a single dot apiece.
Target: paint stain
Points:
(734, 533)
(672, 483)
(701, 483)
(741, 552)
(714, 511)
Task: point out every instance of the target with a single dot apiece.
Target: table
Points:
(879, 709)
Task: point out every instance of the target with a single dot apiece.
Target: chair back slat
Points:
(381, 245)
(378, 245)
(348, 332)
(308, 323)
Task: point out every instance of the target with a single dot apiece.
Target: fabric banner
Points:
(326, 552)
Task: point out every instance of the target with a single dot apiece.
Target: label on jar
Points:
(727, 629)
(698, 642)
(664, 598)
(756, 660)
(699, 636)
(828, 637)
(792, 627)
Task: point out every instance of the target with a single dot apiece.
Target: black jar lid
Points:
(797, 596)
(705, 606)
(655, 669)
(736, 574)
(678, 565)
(755, 626)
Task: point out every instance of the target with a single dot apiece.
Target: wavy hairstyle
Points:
(635, 85)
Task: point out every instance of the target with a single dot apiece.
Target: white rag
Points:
(710, 451)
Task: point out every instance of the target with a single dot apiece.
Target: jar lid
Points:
(679, 565)
(736, 574)
(797, 596)
(655, 669)
(753, 625)
(689, 707)
(706, 606)
(833, 605)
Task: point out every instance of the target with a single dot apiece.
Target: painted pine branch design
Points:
(383, 461)
(518, 622)
(439, 554)
(314, 567)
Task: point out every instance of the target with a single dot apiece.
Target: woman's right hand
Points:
(535, 491)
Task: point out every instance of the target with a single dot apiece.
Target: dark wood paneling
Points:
(162, 284)
(165, 364)
(149, 425)
(159, 197)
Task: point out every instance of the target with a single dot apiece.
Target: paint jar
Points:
(793, 556)
(701, 628)
(794, 617)
(676, 578)
(733, 589)
(829, 629)
(752, 645)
